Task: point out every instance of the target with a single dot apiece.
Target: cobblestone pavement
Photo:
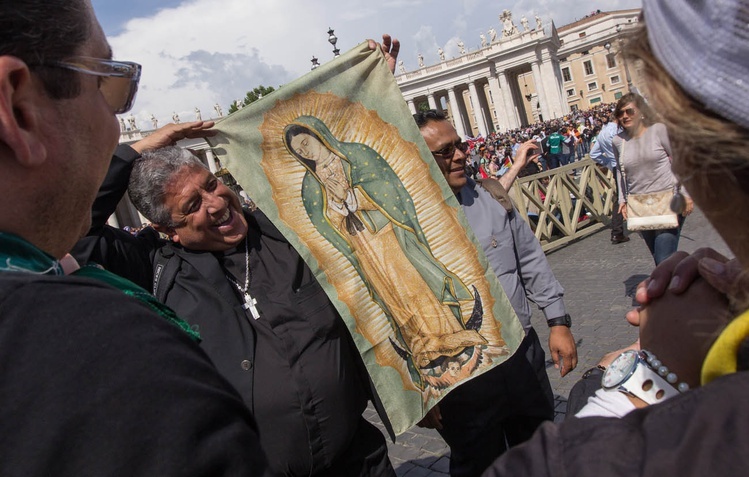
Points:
(599, 281)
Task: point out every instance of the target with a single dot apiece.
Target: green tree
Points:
(251, 97)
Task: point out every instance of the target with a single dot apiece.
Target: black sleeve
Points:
(114, 186)
(121, 253)
(94, 383)
(116, 250)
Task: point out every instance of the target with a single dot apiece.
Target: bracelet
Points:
(565, 320)
(664, 372)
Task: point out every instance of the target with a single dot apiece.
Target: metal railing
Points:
(566, 203)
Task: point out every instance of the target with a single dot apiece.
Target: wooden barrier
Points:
(566, 203)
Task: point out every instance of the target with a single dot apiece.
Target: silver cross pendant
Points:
(249, 304)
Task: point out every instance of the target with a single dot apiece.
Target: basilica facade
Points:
(526, 74)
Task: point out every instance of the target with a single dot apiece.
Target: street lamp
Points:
(333, 40)
(315, 63)
(626, 68)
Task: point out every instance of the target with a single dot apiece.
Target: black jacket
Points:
(94, 383)
(702, 432)
(296, 367)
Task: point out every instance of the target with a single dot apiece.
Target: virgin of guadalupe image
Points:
(356, 201)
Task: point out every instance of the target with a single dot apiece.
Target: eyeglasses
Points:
(119, 79)
(448, 151)
(629, 112)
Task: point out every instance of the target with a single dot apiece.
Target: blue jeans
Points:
(554, 160)
(663, 243)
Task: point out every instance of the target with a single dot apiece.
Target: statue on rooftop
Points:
(509, 27)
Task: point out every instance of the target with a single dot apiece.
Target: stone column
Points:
(438, 102)
(540, 90)
(499, 103)
(510, 111)
(489, 119)
(552, 77)
(411, 106)
(211, 159)
(455, 110)
(480, 121)
(432, 101)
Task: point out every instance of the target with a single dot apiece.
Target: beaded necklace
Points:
(20, 256)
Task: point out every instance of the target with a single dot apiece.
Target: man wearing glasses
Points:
(603, 153)
(97, 378)
(482, 418)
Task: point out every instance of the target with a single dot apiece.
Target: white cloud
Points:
(425, 42)
(208, 51)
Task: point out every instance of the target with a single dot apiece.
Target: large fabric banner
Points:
(336, 162)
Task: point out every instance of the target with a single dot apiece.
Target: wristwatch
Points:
(631, 374)
(565, 320)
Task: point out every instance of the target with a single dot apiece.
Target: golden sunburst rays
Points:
(352, 122)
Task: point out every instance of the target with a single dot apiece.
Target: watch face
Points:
(620, 369)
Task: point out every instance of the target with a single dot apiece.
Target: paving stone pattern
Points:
(599, 281)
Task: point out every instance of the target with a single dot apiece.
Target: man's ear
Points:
(169, 231)
(20, 112)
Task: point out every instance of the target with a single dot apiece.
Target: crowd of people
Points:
(559, 142)
(238, 363)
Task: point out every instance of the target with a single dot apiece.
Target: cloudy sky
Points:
(196, 53)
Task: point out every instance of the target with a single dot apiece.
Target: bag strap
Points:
(497, 191)
(677, 187)
(164, 272)
(620, 164)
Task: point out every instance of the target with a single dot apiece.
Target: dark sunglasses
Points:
(448, 151)
(629, 111)
(119, 79)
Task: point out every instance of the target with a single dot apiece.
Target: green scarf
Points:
(18, 255)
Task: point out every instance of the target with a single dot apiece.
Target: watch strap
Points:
(565, 320)
(647, 385)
